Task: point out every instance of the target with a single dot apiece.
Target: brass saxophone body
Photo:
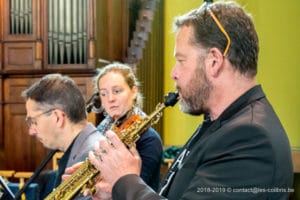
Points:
(129, 132)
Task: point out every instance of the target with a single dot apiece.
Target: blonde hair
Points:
(128, 74)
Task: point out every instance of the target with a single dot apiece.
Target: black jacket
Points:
(244, 154)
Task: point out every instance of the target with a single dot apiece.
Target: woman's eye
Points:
(103, 94)
(117, 91)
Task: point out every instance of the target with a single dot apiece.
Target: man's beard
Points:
(196, 94)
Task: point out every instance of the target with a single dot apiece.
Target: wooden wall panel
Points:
(1, 117)
(0, 53)
(1, 34)
(112, 30)
(21, 151)
(19, 56)
(296, 159)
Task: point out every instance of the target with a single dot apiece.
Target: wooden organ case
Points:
(39, 37)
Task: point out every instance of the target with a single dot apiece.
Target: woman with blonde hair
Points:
(120, 98)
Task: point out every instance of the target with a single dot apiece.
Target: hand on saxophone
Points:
(114, 160)
(70, 170)
(105, 193)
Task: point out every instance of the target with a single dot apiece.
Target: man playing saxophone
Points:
(241, 150)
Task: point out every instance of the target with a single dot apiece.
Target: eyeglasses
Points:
(32, 120)
(217, 21)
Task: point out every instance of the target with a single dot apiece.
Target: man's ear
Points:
(214, 62)
(59, 117)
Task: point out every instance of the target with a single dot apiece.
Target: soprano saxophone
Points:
(85, 177)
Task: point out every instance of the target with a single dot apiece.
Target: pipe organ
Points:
(20, 14)
(67, 32)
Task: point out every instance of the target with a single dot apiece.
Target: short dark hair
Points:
(58, 91)
(244, 48)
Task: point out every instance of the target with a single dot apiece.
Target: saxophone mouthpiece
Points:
(171, 99)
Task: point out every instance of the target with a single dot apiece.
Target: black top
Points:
(244, 154)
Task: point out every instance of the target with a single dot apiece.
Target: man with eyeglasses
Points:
(241, 150)
(56, 116)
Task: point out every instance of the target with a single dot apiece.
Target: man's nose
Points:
(173, 74)
(32, 131)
